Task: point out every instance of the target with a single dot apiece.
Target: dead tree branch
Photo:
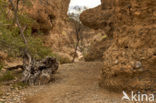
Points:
(77, 31)
(15, 67)
(35, 72)
(15, 10)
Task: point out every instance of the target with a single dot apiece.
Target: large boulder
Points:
(101, 17)
(130, 61)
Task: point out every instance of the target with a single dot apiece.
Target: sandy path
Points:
(76, 83)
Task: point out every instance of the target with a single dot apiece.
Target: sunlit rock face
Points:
(52, 19)
(101, 17)
(47, 13)
(130, 61)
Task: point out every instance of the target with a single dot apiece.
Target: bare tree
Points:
(77, 26)
(26, 53)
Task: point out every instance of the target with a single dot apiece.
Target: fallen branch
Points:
(15, 67)
(40, 72)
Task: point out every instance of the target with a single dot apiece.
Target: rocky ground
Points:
(75, 83)
(12, 94)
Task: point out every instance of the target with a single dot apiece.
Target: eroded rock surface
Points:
(46, 13)
(130, 61)
(100, 17)
(51, 19)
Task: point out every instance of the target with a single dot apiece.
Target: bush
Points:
(10, 39)
(7, 76)
(20, 85)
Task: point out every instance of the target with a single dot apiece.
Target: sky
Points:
(87, 3)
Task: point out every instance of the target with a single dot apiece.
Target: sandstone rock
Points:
(97, 18)
(137, 43)
(51, 18)
(47, 13)
(133, 29)
(3, 55)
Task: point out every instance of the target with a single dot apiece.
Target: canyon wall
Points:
(51, 19)
(130, 60)
(59, 30)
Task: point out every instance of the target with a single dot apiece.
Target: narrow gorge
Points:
(101, 51)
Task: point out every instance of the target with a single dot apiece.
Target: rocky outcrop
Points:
(100, 17)
(51, 18)
(94, 45)
(46, 13)
(130, 61)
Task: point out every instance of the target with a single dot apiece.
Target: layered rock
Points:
(130, 61)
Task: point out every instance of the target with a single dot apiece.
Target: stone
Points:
(138, 64)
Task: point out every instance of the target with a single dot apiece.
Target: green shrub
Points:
(7, 76)
(37, 48)
(10, 39)
(19, 85)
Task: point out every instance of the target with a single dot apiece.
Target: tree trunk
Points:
(35, 72)
(40, 72)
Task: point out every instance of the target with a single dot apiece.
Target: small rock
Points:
(7, 94)
(116, 61)
(132, 63)
(141, 69)
(3, 97)
(15, 99)
(137, 13)
(11, 87)
(2, 100)
(138, 64)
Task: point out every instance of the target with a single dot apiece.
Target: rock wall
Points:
(130, 61)
(47, 13)
(51, 18)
